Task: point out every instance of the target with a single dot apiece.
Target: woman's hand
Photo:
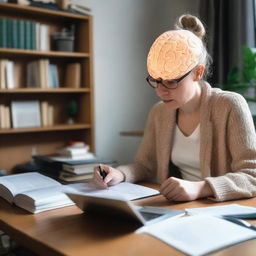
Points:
(113, 176)
(182, 190)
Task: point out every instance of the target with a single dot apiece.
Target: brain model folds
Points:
(173, 54)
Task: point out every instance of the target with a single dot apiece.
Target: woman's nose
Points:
(161, 89)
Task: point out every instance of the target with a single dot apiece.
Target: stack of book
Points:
(80, 9)
(77, 151)
(77, 172)
(69, 168)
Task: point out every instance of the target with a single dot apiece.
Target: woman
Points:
(199, 141)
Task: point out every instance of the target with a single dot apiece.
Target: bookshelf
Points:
(16, 144)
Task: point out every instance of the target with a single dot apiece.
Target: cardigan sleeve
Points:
(241, 139)
(144, 165)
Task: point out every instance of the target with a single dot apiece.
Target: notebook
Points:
(198, 235)
(122, 208)
(229, 210)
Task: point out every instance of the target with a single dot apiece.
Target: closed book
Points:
(33, 35)
(33, 80)
(3, 66)
(73, 75)
(70, 178)
(44, 112)
(79, 9)
(72, 151)
(28, 40)
(21, 34)
(50, 115)
(3, 32)
(44, 38)
(7, 117)
(84, 168)
(10, 83)
(53, 164)
(9, 33)
(53, 76)
(14, 37)
(2, 116)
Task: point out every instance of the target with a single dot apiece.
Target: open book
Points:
(199, 234)
(33, 192)
(123, 190)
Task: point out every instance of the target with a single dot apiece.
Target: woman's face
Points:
(183, 94)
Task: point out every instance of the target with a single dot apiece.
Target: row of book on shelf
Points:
(24, 114)
(24, 34)
(71, 163)
(39, 74)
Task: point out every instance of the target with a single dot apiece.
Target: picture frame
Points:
(25, 114)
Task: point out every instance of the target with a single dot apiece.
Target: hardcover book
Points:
(33, 192)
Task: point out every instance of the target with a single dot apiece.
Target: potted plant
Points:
(72, 110)
(243, 80)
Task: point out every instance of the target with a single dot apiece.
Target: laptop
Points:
(122, 208)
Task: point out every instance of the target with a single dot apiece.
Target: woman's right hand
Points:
(113, 176)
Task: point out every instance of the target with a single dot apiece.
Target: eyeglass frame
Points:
(160, 81)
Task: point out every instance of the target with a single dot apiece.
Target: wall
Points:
(123, 32)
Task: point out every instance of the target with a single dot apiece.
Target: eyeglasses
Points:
(169, 84)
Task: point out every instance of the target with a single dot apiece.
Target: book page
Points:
(19, 183)
(198, 235)
(232, 210)
(123, 190)
(42, 199)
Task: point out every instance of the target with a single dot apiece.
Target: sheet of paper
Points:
(124, 190)
(232, 210)
(199, 234)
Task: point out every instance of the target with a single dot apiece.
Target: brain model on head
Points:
(173, 54)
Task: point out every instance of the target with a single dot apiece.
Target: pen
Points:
(102, 172)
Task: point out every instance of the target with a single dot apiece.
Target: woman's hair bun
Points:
(192, 23)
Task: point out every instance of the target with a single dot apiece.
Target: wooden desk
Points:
(67, 231)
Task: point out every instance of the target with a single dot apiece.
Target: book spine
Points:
(44, 107)
(3, 63)
(27, 35)
(9, 33)
(10, 75)
(2, 116)
(33, 35)
(3, 33)
(14, 32)
(21, 34)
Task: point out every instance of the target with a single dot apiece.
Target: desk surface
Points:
(67, 231)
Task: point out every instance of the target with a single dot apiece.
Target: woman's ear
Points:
(198, 74)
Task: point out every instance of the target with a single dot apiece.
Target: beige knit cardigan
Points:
(227, 145)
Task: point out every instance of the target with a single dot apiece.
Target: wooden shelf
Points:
(42, 12)
(45, 54)
(132, 133)
(47, 139)
(63, 127)
(39, 90)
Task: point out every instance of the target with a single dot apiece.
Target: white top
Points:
(185, 154)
